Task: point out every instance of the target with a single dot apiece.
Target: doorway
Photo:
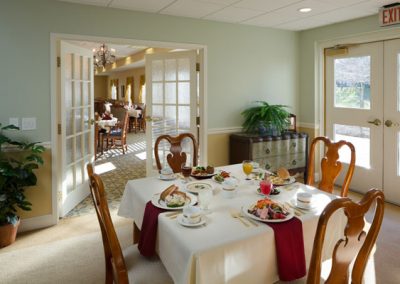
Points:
(59, 177)
(362, 106)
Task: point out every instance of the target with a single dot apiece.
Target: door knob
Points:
(390, 123)
(376, 122)
(91, 121)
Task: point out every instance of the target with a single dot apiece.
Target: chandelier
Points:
(103, 56)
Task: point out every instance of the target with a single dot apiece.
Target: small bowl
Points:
(229, 192)
(191, 214)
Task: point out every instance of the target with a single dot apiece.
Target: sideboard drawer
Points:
(272, 152)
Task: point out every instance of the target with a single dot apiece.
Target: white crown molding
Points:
(308, 125)
(224, 130)
(36, 223)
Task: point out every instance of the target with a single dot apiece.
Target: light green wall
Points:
(245, 63)
(308, 39)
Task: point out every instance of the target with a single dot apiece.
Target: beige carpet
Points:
(71, 252)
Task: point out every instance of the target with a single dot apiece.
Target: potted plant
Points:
(265, 118)
(16, 173)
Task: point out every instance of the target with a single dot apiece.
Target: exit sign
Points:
(389, 15)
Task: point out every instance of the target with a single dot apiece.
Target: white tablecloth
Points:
(108, 123)
(224, 251)
(134, 112)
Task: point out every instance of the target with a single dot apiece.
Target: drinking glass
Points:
(266, 187)
(247, 168)
(205, 197)
(186, 170)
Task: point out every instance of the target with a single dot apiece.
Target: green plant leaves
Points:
(264, 112)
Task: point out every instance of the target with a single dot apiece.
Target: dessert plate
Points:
(278, 181)
(191, 199)
(184, 223)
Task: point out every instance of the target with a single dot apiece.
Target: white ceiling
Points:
(121, 50)
(281, 14)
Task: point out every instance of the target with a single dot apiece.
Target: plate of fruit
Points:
(221, 176)
(267, 210)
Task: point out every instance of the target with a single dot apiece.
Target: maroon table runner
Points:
(148, 234)
(289, 245)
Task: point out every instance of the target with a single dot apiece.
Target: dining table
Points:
(224, 250)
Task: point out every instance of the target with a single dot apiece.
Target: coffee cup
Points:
(304, 199)
(166, 172)
(191, 214)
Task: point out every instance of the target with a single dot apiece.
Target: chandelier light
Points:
(103, 56)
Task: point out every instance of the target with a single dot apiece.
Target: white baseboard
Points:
(36, 223)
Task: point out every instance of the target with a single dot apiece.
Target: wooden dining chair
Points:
(176, 157)
(117, 135)
(330, 165)
(122, 266)
(355, 246)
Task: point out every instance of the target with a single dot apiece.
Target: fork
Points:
(235, 214)
(295, 210)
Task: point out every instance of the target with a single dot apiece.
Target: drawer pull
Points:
(294, 162)
(294, 144)
(267, 151)
(267, 166)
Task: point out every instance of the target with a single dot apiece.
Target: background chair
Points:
(117, 135)
(330, 165)
(126, 266)
(356, 245)
(176, 157)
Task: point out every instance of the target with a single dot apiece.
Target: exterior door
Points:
(75, 115)
(362, 106)
(391, 121)
(171, 100)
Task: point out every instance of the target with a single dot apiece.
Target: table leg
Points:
(136, 233)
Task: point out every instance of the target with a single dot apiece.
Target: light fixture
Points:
(103, 56)
(304, 10)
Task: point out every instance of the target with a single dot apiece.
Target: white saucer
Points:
(300, 205)
(184, 223)
(171, 177)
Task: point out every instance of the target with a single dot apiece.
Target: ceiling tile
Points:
(141, 5)
(269, 20)
(191, 8)
(221, 2)
(90, 2)
(343, 3)
(233, 15)
(264, 5)
(302, 24)
(343, 14)
(374, 5)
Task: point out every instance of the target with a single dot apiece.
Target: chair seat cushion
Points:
(142, 270)
(115, 132)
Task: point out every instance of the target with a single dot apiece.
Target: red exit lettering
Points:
(390, 15)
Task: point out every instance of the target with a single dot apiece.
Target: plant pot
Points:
(8, 233)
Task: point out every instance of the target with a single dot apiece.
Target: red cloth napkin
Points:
(148, 234)
(289, 249)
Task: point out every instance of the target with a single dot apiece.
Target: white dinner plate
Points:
(297, 204)
(220, 182)
(288, 217)
(290, 180)
(197, 186)
(186, 224)
(171, 177)
(191, 199)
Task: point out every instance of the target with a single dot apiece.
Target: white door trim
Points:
(55, 38)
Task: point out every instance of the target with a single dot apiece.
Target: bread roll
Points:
(168, 191)
(283, 173)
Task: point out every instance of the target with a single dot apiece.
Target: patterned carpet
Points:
(116, 169)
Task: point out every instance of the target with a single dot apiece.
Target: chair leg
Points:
(136, 233)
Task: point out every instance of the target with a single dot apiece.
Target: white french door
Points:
(361, 96)
(391, 145)
(171, 100)
(75, 116)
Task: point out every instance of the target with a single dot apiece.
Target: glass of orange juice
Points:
(247, 168)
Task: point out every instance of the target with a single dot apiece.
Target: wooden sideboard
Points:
(289, 150)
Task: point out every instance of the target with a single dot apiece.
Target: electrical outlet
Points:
(28, 123)
(14, 121)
